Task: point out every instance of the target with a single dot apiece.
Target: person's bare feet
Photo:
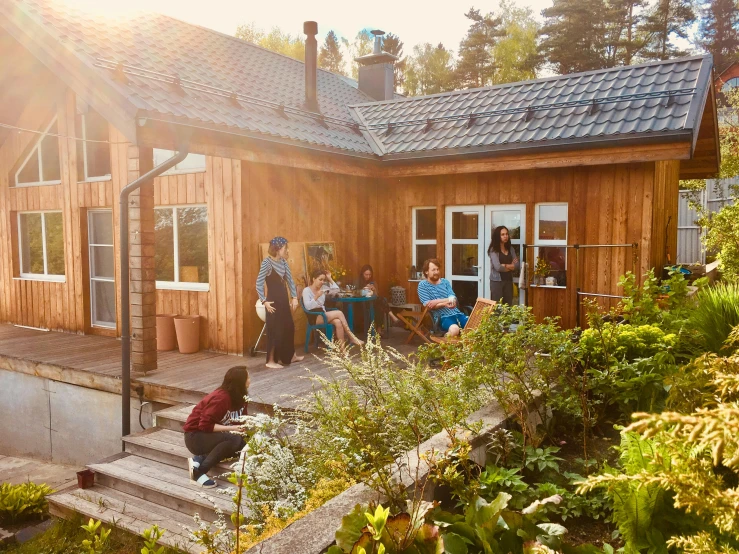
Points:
(297, 358)
(273, 365)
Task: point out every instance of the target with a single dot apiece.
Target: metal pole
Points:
(126, 285)
(577, 285)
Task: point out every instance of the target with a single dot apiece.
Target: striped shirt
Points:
(443, 289)
(282, 269)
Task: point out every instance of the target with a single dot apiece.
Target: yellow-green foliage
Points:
(626, 341)
(703, 452)
(24, 501)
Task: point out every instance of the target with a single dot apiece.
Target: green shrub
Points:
(22, 502)
(716, 314)
(624, 341)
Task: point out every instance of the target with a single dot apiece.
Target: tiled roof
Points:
(630, 102)
(168, 46)
(599, 106)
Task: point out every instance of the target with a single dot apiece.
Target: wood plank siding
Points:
(368, 217)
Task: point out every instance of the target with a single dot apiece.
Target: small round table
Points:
(365, 301)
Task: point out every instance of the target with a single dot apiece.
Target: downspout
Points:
(126, 285)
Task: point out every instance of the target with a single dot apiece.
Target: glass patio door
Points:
(102, 268)
(512, 216)
(465, 252)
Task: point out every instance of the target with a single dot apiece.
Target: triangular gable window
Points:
(41, 167)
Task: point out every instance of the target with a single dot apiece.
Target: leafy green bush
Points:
(24, 501)
(716, 314)
(624, 342)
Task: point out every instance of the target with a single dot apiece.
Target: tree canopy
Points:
(330, 56)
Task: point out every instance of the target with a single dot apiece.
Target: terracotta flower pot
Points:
(188, 333)
(166, 337)
(85, 478)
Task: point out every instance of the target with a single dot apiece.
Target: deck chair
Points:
(482, 306)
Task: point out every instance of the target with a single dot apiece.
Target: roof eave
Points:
(548, 146)
(704, 85)
(70, 68)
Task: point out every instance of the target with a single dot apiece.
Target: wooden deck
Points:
(94, 362)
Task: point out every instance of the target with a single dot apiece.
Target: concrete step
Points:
(174, 417)
(162, 484)
(127, 512)
(165, 446)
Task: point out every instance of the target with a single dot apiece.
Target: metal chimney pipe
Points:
(310, 28)
(378, 41)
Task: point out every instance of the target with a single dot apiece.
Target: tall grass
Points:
(716, 315)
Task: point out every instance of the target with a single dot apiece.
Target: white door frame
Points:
(449, 242)
(91, 265)
(517, 243)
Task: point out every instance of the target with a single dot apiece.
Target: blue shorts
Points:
(448, 321)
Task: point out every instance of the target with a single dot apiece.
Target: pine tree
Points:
(574, 34)
(475, 67)
(666, 20)
(623, 39)
(430, 70)
(516, 57)
(330, 56)
(393, 45)
(718, 33)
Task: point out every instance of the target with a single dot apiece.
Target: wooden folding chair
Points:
(482, 306)
(414, 321)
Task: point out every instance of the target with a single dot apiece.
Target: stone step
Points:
(174, 417)
(162, 484)
(127, 512)
(165, 446)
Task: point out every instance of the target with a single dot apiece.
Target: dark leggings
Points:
(216, 447)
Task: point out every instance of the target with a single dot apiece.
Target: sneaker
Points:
(193, 464)
(205, 481)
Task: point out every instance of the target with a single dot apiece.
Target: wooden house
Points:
(279, 147)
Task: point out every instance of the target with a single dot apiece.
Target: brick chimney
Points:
(376, 77)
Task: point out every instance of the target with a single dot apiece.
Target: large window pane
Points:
(553, 222)
(29, 173)
(466, 293)
(164, 244)
(102, 263)
(192, 226)
(464, 259)
(424, 252)
(464, 225)
(557, 258)
(101, 228)
(50, 157)
(54, 243)
(31, 244)
(511, 219)
(426, 224)
(104, 300)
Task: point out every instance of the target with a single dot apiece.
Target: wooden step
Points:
(126, 512)
(165, 446)
(174, 417)
(162, 484)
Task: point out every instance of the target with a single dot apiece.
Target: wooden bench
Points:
(417, 322)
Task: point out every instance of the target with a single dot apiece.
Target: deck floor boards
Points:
(182, 376)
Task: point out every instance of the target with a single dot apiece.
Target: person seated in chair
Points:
(314, 300)
(437, 295)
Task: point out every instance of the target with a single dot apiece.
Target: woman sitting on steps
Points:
(212, 432)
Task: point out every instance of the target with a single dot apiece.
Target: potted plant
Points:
(338, 272)
(541, 270)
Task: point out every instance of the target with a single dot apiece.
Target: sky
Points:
(414, 21)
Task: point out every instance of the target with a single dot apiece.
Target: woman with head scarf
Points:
(275, 273)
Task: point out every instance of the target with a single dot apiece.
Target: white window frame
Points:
(37, 148)
(177, 284)
(45, 275)
(101, 178)
(176, 170)
(420, 242)
(90, 249)
(558, 242)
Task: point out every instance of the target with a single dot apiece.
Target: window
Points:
(181, 247)
(730, 84)
(41, 167)
(41, 245)
(551, 236)
(194, 163)
(93, 158)
(424, 235)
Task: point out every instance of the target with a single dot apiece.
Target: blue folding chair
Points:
(327, 328)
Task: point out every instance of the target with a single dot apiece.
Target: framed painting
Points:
(320, 255)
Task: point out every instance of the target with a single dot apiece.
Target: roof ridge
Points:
(460, 92)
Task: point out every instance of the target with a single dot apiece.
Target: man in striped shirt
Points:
(436, 293)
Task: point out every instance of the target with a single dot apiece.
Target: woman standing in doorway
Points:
(504, 262)
(275, 273)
